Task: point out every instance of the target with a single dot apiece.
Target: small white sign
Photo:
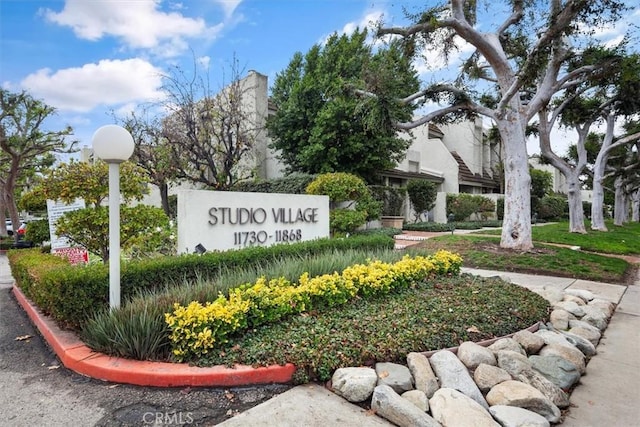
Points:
(61, 245)
(222, 220)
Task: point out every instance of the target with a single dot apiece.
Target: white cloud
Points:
(430, 63)
(139, 24)
(204, 61)
(107, 83)
(229, 6)
(366, 21)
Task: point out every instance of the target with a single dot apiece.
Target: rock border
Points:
(522, 379)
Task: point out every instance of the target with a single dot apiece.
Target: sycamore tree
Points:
(89, 227)
(606, 95)
(571, 168)
(623, 167)
(319, 127)
(516, 66)
(579, 109)
(26, 147)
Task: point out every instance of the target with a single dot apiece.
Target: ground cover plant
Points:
(624, 239)
(438, 313)
(485, 252)
(197, 329)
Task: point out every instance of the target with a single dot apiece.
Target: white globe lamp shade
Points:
(112, 143)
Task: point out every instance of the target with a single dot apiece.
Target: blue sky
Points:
(89, 57)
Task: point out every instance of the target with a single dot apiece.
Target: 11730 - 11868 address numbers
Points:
(260, 237)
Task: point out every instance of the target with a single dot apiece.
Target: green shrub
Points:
(290, 184)
(392, 199)
(38, 231)
(339, 186)
(385, 231)
(422, 195)
(136, 331)
(462, 225)
(344, 187)
(463, 205)
(586, 209)
(552, 207)
(72, 294)
(6, 243)
(427, 226)
(345, 221)
(500, 208)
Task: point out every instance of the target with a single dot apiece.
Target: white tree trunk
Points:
(576, 211)
(599, 169)
(620, 208)
(635, 206)
(516, 225)
(569, 171)
(597, 205)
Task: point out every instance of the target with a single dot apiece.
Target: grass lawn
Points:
(623, 239)
(485, 252)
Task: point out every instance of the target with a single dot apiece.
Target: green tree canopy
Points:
(321, 127)
(90, 181)
(89, 227)
(422, 195)
(25, 146)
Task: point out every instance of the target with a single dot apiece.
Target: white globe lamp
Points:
(113, 144)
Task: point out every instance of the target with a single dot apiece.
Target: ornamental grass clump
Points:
(196, 329)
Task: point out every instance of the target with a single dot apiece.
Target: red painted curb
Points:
(75, 355)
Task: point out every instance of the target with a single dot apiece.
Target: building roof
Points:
(435, 131)
(396, 173)
(465, 176)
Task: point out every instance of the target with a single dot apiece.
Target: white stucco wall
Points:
(434, 158)
(466, 139)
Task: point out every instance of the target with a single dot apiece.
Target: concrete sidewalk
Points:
(606, 396)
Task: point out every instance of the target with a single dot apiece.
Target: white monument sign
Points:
(222, 220)
(61, 245)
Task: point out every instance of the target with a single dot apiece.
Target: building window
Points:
(414, 166)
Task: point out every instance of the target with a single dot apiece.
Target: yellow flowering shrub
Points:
(272, 300)
(377, 277)
(196, 328)
(447, 262)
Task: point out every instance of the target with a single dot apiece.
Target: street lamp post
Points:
(113, 144)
